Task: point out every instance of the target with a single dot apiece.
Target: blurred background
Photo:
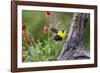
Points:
(37, 45)
(36, 20)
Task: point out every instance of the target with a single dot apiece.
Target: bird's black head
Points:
(62, 31)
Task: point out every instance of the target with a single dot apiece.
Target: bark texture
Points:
(74, 47)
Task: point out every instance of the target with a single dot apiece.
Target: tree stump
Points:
(74, 47)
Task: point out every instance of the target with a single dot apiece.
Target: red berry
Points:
(47, 13)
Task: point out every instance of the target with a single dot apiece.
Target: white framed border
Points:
(20, 64)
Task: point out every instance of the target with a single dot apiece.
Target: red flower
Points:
(28, 42)
(45, 29)
(47, 13)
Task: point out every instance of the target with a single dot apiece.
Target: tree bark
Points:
(74, 47)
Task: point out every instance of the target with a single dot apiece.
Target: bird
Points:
(59, 35)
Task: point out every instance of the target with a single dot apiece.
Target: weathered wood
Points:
(74, 47)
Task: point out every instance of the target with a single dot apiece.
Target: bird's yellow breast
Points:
(62, 34)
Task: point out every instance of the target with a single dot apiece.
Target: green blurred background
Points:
(36, 20)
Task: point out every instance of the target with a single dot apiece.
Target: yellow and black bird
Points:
(58, 35)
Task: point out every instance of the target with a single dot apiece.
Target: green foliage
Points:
(36, 46)
(43, 51)
(35, 21)
(87, 35)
